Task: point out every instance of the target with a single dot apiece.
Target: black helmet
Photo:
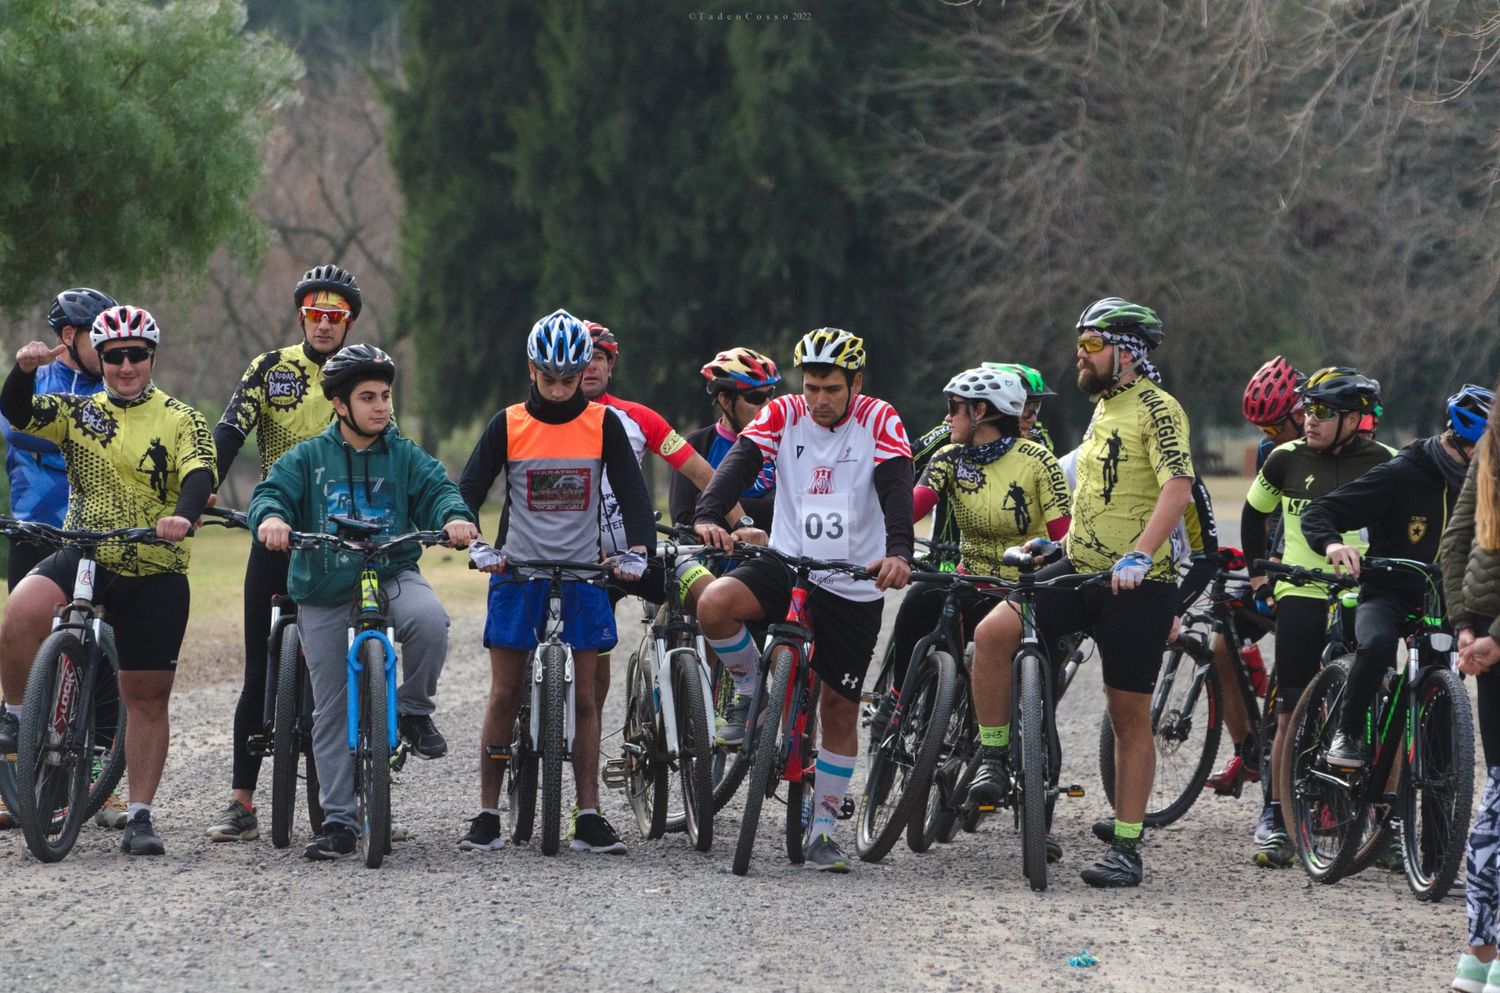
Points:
(1342, 388)
(1119, 315)
(355, 364)
(77, 308)
(333, 279)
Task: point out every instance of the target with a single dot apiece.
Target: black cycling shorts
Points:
(1301, 633)
(844, 631)
(148, 613)
(1130, 628)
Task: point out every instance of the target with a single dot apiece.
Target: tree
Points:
(129, 139)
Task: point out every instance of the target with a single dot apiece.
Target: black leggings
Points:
(1301, 629)
(24, 556)
(918, 615)
(1379, 622)
(1488, 711)
(265, 576)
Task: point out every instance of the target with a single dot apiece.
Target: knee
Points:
(997, 630)
(1130, 713)
(716, 606)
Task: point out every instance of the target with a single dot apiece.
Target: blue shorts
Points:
(518, 610)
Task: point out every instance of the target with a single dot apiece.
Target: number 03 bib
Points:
(826, 523)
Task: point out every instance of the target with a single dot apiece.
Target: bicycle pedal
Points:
(1074, 790)
(398, 761)
(869, 698)
(986, 808)
(259, 745)
(497, 753)
(616, 773)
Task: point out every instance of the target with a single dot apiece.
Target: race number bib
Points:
(825, 526)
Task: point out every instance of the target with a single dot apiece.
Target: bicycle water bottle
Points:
(1255, 667)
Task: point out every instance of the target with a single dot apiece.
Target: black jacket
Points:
(1403, 504)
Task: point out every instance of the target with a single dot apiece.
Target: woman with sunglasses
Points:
(279, 399)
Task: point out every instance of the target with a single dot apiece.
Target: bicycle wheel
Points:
(554, 741)
(1324, 820)
(520, 788)
(374, 772)
(54, 754)
(286, 738)
(314, 802)
(1186, 725)
(108, 763)
(939, 821)
(647, 785)
(729, 763)
(1439, 790)
(902, 766)
(694, 765)
(765, 759)
(1029, 738)
(1267, 741)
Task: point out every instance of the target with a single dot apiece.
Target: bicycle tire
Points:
(801, 794)
(949, 776)
(520, 788)
(1374, 837)
(314, 802)
(109, 759)
(694, 765)
(54, 748)
(1186, 728)
(1324, 822)
(1030, 740)
(286, 739)
(1438, 793)
(902, 766)
(729, 764)
(765, 757)
(1266, 737)
(554, 703)
(649, 781)
(374, 757)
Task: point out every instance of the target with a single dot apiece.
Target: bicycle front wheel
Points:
(648, 782)
(54, 754)
(1323, 818)
(949, 781)
(554, 741)
(286, 743)
(374, 770)
(1029, 737)
(765, 760)
(1439, 792)
(694, 762)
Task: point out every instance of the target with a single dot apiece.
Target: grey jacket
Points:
(1471, 573)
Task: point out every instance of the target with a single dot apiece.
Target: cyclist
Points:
(1004, 488)
(1135, 477)
(554, 450)
(843, 473)
(279, 400)
(1402, 505)
(361, 467)
(135, 458)
(1271, 403)
(1036, 390)
(38, 477)
(1332, 454)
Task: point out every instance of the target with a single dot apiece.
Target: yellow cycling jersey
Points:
(1136, 442)
(126, 463)
(279, 398)
(999, 504)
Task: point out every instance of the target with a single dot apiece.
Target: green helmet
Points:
(1116, 314)
(1031, 378)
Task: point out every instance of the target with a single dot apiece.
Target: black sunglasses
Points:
(757, 397)
(117, 356)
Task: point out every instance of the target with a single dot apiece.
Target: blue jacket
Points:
(38, 475)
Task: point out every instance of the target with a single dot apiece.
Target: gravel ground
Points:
(246, 916)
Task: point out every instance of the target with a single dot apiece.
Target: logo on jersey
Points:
(799, 451)
(1113, 455)
(286, 385)
(1307, 482)
(822, 480)
(849, 681)
(1416, 528)
(558, 489)
(1016, 502)
(96, 422)
(848, 455)
(672, 444)
(154, 465)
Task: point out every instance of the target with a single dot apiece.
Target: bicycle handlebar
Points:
(12, 528)
(959, 579)
(305, 540)
(802, 562)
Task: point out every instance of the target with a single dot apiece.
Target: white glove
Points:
(486, 556)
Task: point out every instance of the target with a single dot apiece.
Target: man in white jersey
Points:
(843, 473)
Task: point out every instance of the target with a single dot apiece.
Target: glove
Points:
(1263, 597)
(1132, 568)
(1039, 547)
(631, 565)
(485, 556)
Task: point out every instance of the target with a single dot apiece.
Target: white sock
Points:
(740, 657)
(491, 810)
(832, 783)
(13, 710)
(136, 808)
(587, 810)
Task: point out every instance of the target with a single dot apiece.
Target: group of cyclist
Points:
(827, 472)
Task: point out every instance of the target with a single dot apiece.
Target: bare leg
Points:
(586, 735)
(146, 695)
(28, 620)
(1135, 752)
(506, 666)
(995, 642)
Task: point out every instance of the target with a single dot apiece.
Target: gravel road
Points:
(248, 917)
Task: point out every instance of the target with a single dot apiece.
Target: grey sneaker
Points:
(140, 838)
(733, 730)
(824, 855)
(113, 814)
(237, 822)
(1276, 852)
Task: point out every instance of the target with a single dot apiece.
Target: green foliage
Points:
(130, 138)
(692, 183)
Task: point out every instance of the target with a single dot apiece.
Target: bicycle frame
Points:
(370, 625)
(552, 629)
(664, 630)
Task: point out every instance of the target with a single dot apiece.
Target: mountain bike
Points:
(781, 723)
(1420, 779)
(542, 737)
(373, 737)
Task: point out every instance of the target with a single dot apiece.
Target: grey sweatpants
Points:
(421, 626)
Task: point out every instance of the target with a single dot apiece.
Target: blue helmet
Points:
(1469, 410)
(560, 344)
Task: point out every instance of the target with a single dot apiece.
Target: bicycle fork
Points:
(354, 667)
(539, 688)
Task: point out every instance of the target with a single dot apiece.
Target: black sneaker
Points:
(594, 834)
(1118, 867)
(991, 783)
(10, 730)
(1054, 849)
(139, 837)
(1104, 830)
(1347, 751)
(422, 735)
(337, 841)
(484, 834)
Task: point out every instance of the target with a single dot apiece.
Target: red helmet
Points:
(603, 338)
(1271, 394)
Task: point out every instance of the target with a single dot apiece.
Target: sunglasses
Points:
(318, 315)
(1031, 409)
(1091, 343)
(117, 356)
(957, 406)
(1322, 411)
(757, 397)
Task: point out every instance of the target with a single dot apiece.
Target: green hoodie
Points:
(393, 481)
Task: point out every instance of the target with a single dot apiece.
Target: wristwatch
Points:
(744, 522)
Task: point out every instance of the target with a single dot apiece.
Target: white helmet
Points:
(1004, 391)
(124, 321)
(830, 346)
(560, 344)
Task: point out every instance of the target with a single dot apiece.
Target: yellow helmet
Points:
(830, 346)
